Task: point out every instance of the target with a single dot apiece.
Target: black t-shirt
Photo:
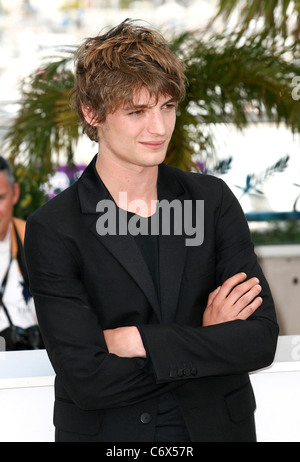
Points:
(170, 426)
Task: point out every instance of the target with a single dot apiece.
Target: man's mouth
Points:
(153, 144)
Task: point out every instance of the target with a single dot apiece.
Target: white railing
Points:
(26, 396)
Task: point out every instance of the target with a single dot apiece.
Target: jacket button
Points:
(146, 418)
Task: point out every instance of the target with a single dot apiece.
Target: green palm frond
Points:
(226, 75)
(45, 124)
(276, 14)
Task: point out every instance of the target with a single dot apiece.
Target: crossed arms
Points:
(235, 336)
(235, 299)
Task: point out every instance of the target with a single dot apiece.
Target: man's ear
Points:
(16, 193)
(89, 115)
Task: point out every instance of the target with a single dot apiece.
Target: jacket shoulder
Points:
(193, 180)
(58, 206)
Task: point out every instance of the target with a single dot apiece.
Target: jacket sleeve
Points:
(229, 348)
(93, 378)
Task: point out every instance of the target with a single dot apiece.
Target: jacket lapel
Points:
(125, 250)
(172, 248)
(91, 190)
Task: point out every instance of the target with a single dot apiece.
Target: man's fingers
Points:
(213, 295)
(237, 298)
(243, 290)
(247, 298)
(231, 283)
(250, 309)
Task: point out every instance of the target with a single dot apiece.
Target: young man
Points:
(16, 304)
(151, 302)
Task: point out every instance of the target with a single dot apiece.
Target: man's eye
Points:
(137, 113)
(169, 106)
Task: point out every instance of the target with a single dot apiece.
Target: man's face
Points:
(138, 135)
(9, 196)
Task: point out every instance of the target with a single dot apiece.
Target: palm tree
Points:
(45, 127)
(231, 79)
(279, 16)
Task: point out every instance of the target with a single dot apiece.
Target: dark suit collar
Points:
(172, 248)
(168, 184)
(91, 189)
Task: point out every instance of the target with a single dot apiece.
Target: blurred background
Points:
(240, 119)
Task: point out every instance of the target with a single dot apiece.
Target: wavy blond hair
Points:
(113, 67)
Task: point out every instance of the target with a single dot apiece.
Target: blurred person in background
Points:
(18, 323)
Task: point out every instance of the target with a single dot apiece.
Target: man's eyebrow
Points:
(171, 100)
(131, 107)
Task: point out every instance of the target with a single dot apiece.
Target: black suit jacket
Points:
(83, 283)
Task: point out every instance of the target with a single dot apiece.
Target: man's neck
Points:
(136, 185)
(4, 236)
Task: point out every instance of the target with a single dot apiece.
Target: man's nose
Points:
(156, 124)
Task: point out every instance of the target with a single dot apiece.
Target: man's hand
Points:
(235, 299)
(125, 342)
